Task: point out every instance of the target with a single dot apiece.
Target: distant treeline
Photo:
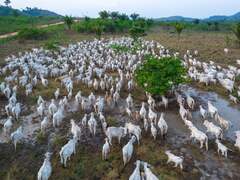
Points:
(198, 25)
(9, 11)
(112, 22)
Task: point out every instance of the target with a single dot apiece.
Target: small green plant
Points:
(132, 49)
(111, 121)
(227, 40)
(179, 28)
(119, 48)
(68, 20)
(98, 29)
(209, 25)
(136, 32)
(58, 140)
(158, 76)
(52, 45)
(32, 34)
(216, 26)
(41, 137)
(236, 31)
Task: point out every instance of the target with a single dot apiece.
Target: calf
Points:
(175, 159)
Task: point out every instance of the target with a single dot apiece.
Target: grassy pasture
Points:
(10, 24)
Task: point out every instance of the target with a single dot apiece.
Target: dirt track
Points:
(41, 26)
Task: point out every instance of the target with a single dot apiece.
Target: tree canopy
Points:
(68, 20)
(136, 32)
(7, 2)
(104, 14)
(179, 28)
(158, 76)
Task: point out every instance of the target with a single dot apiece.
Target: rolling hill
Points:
(39, 12)
(235, 17)
(8, 11)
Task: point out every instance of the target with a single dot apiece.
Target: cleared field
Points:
(209, 44)
(12, 24)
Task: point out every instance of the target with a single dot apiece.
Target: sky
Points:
(146, 8)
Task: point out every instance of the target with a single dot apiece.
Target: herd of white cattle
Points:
(91, 63)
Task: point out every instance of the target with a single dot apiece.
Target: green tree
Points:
(158, 76)
(136, 32)
(7, 2)
(98, 28)
(196, 21)
(99, 31)
(104, 14)
(68, 20)
(86, 18)
(149, 22)
(15, 13)
(209, 25)
(134, 16)
(123, 17)
(141, 22)
(236, 31)
(114, 15)
(179, 28)
(216, 26)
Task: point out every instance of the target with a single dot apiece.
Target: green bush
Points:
(137, 32)
(112, 22)
(32, 34)
(123, 49)
(68, 20)
(179, 28)
(236, 31)
(41, 137)
(52, 45)
(158, 76)
(120, 48)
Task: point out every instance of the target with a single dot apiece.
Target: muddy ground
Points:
(87, 163)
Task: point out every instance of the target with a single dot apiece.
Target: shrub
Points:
(179, 28)
(236, 31)
(41, 137)
(68, 20)
(158, 76)
(111, 22)
(227, 40)
(52, 45)
(136, 32)
(58, 141)
(216, 26)
(111, 121)
(98, 29)
(32, 34)
(119, 48)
